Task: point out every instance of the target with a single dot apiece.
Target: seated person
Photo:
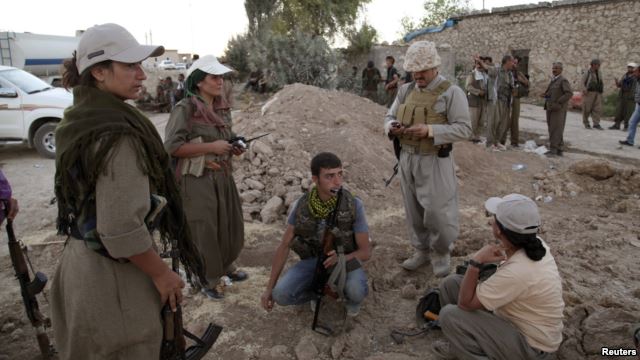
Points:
(304, 233)
(517, 312)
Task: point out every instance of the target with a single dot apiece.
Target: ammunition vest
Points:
(308, 232)
(418, 108)
(505, 85)
(593, 82)
(474, 100)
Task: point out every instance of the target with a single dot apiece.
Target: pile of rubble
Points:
(302, 121)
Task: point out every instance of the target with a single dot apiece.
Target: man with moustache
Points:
(557, 97)
(428, 115)
(626, 103)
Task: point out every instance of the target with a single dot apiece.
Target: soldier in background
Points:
(592, 95)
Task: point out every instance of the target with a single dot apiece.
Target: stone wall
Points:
(572, 31)
(378, 54)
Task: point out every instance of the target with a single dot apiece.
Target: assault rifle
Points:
(242, 142)
(29, 289)
(174, 344)
(321, 276)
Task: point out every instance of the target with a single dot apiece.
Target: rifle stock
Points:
(29, 289)
(174, 343)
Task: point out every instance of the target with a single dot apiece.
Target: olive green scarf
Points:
(96, 123)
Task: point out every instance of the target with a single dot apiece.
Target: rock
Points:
(274, 171)
(17, 334)
(277, 352)
(261, 148)
(409, 292)
(607, 326)
(254, 184)
(305, 184)
(342, 119)
(272, 209)
(337, 348)
(539, 176)
(8, 327)
(594, 168)
(306, 350)
(256, 161)
(250, 196)
(279, 190)
(298, 174)
(291, 197)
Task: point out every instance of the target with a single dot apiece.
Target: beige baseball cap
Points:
(633, 65)
(515, 212)
(210, 65)
(421, 55)
(111, 42)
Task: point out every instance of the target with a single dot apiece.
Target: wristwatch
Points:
(475, 264)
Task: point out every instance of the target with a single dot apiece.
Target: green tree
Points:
(361, 40)
(436, 13)
(314, 17)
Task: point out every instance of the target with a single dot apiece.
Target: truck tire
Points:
(44, 140)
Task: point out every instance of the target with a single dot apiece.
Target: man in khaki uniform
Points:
(428, 115)
(592, 87)
(520, 89)
(557, 97)
(502, 78)
(476, 86)
(626, 103)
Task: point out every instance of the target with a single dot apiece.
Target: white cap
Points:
(210, 65)
(421, 55)
(633, 65)
(515, 212)
(111, 42)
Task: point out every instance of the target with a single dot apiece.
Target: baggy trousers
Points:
(498, 123)
(592, 105)
(430, 192)
(513, 125)
(555, 123)
(479, 334)
(478, 119)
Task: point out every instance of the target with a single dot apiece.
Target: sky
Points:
(189, 26)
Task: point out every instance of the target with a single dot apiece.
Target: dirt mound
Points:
(302, 121)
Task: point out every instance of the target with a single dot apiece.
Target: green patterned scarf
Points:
(96, 123)
(320, 209)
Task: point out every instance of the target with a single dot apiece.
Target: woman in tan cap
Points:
(111, 284)
(197, 135)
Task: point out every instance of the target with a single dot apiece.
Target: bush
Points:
(237, 54)
(297, 58)
(361, 40)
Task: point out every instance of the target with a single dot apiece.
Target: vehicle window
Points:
(25, 81)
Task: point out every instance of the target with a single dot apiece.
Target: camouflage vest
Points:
(307, 241)
(418, 109)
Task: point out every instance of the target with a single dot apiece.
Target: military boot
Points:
(419, 258)
(441, 264)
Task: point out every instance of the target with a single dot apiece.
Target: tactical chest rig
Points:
(418, 108)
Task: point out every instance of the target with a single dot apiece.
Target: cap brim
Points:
(138, 53)
(492, 204)
(216, 69)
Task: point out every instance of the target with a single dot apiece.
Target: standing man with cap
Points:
(592, 95)
(556, 102)
(197, 136)
(110, 285)
(428, 115)
(627, 86)
(517, 312)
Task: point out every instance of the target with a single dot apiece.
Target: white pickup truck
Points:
(30, 110)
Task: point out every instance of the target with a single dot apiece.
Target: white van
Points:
(30, 110)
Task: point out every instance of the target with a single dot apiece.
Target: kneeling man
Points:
(304, 233)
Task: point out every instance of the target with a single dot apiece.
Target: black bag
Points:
(428, 309)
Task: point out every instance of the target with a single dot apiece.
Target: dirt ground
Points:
(590, 207)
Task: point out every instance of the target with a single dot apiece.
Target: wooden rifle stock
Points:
(174, 344)
(29, 289)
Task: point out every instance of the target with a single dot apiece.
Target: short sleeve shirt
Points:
(529, 294)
